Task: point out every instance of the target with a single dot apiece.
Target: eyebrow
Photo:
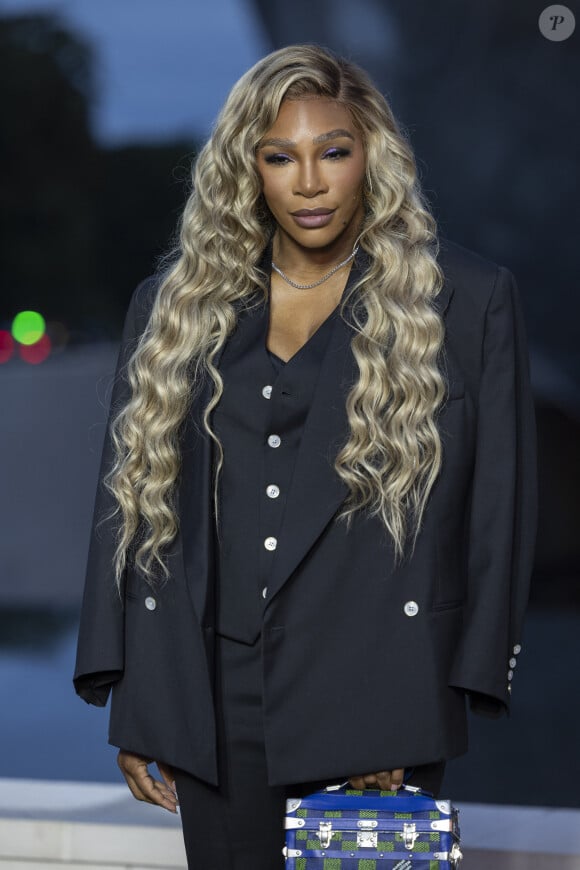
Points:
(318, 140)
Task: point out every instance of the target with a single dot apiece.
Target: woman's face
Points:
(312, 165)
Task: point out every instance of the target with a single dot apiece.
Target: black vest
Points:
(259, 421)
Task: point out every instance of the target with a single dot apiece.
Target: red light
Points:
(37, 352)
(6, 346)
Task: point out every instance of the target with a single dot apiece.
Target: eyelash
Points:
(332, 154)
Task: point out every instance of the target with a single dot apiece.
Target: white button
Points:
(274, 440)
(510, 675)
(517, 649)
(267, 391)
(513, 662)
(270, 543)
(509, 688)
(150, 603)
(272, 491)
(265, 592)
(411, 608)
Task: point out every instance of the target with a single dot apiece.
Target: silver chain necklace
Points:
(320, 280)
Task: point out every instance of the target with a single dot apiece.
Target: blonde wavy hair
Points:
(393, 453)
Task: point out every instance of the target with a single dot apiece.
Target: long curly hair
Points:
(393, 453)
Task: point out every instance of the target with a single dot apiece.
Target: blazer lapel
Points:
(195, 505)
(317, 491)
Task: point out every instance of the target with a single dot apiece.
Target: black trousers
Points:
(238, 825)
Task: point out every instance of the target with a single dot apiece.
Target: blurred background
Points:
(103, 106)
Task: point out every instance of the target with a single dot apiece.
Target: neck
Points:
(310, 262)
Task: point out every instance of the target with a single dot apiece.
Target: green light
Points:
(28, 327)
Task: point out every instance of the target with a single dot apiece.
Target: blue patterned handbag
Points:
(343, 829)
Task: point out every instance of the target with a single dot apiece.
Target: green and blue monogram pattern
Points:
(344, 829)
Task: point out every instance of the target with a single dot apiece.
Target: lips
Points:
(311, 218)
(306, 212)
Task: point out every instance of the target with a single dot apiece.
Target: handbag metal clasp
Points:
(366, 836)
(325, 834)
(367, 839)
(409, 834)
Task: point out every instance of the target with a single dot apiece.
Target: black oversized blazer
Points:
(366, 665)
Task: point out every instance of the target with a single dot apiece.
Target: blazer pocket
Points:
(447, 605)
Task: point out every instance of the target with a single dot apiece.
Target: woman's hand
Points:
(141, 783)
(387, 780)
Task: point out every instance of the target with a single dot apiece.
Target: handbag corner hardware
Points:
(292, 804)
(456, 855)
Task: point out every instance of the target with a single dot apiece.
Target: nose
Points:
(310, 179)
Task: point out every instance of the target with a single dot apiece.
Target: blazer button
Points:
(274, 440)
(267, 391)
(270, 543)
(150, 603)
(265, 592)
(513, 662)
(411, 608)
(272, 491)
(517, 649)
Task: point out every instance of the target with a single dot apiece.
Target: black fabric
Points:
(338, 636)
(239, 825)
(243, 420)
(276, 362)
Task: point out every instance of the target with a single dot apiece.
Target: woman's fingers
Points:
(142, 785)
(167, 776)
(397, 776)
(387, 780)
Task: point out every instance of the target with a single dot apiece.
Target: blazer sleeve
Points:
(100, 647)
(502, 524)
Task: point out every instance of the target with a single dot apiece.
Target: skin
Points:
(145, 787)
(312, 157)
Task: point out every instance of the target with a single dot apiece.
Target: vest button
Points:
(517, 649)
(150, 603)
(411, 608)
(267, 391)
(274, 440)
(270, 543)
(265, 592)
(272, 491)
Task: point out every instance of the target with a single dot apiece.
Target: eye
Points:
(336, 153)
(276, 159)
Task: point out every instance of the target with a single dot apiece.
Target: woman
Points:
(313, 533)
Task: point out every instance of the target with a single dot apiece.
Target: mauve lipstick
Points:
(311, 218)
